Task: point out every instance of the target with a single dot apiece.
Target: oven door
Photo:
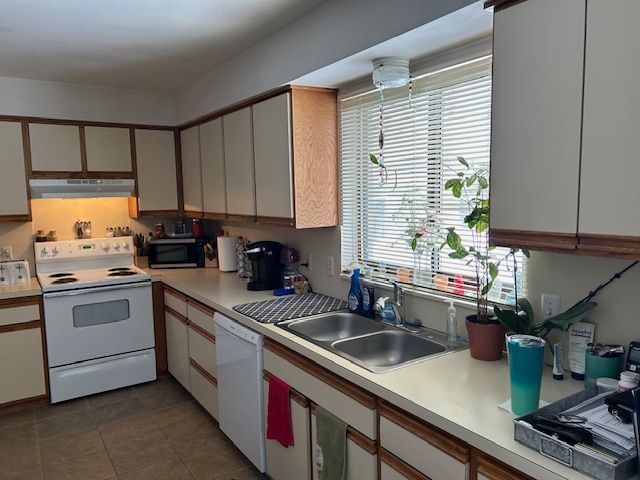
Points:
(173, 253)
(97, 322)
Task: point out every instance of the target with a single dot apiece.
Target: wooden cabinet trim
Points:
(160, 330)
(84, 123)
(364, 442)
(285, 222)
(358, 394)
(501, 4)
(83, 150)
(181, 318)
(175, 293)
(210, 378)
(14, 327)
(493, 469)
(201, 306)
(241, 218)
(177, 145)
(214, 216)
(192, 213)
(202, 332)
(609, 245)
(399, 466)
(430, 434)
(20, 301)
(548, 241)
(293, 393)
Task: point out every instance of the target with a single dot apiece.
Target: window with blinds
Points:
(443, 115)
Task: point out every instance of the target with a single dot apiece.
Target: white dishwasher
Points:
(240, 397)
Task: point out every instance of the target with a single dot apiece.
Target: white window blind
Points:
(447, 116)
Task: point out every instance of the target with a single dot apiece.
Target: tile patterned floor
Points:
(151, 431)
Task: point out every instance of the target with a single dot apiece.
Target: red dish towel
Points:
(279, 413)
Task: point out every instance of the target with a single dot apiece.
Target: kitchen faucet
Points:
(398, 302)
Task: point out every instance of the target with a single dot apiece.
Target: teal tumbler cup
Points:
(526, 355)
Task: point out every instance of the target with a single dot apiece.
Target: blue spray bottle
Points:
(355, 293)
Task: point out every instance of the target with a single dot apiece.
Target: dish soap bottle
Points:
(368, 297)
(452, 326)
(355, 294)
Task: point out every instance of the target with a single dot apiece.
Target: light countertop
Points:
(454, 392)
(32, 287)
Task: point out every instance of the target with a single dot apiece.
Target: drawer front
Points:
(175, 301)
(421, 454)
(26, 313)
(204, 391)
(355, 413)
(203, 351)
(200, 315)
(293, 462)
(177, 348)
(21, 365)
(361, 463)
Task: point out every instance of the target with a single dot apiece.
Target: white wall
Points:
(39, 98)
(334, 30)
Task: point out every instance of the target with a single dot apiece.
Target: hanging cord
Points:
(382, 169)
(615, 277)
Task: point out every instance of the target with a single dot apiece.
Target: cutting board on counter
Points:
(290, 307)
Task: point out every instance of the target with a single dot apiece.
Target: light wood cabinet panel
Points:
(204, 389)
(176, 301)
(239, 167)
(55, 148)
(294, 461)
(202, 349)
(609, 194)
(178, 348)
(272, 143)
(200, 315)
(156, 171)
(22, 369)
(108, 149)
(213, 169)
(536, 119)
(431, 452)
(191, 172)
(14, 198)
(19, 314)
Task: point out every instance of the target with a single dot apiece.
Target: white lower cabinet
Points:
(204, 389)
(178, 347)
(293, 462)
(428, 450)
(392, 468)
(362, 459)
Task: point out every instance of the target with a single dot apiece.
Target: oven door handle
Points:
(81, 291)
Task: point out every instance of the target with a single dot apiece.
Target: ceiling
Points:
(143, 44)
(458, 28)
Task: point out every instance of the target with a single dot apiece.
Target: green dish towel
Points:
(331, 436)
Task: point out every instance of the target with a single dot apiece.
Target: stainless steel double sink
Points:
(369, 343)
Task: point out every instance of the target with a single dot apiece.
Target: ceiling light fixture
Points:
(390, 72)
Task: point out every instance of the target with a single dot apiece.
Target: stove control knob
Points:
(105, 246)
(125, 245)
(55, 251)
(44, 252)
(116, 246)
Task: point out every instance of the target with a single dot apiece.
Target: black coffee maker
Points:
(265, 264)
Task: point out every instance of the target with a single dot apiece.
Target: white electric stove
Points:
(98, 313)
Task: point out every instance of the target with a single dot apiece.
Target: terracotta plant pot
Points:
(486, 341)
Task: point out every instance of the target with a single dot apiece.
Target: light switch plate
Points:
(7, 253)
(330, 267)
(550, 305)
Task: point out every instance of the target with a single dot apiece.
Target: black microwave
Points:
(177, 253)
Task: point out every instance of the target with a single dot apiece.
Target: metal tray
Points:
(584, 462)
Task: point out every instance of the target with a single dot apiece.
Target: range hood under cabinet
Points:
(81, 188)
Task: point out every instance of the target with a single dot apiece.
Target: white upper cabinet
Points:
(239, 166)
(609, 193)
(55, 148)
(213, 174)
(108, 149)
(536, 117)
(191, 172)
(14, 200)
(272, 144)
(156, 166)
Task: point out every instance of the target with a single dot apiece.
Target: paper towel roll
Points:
(227, 254)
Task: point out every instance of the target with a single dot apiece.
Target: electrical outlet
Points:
(306, 261)
(330, 270)
(550, 305)
(7, 253)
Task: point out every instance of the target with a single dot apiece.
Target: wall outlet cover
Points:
(6, 253)
(330, 266)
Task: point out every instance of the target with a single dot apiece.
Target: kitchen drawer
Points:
(427, 449)
(485, 467)
(392, 468)
(25, 311)
(345, 400)
(362, 459)
(202, 349)
(175, 300)
(22, 369)
(201, 315)
(293, 462)
(204, 389)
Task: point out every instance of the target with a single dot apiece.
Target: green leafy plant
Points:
(523, 321)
